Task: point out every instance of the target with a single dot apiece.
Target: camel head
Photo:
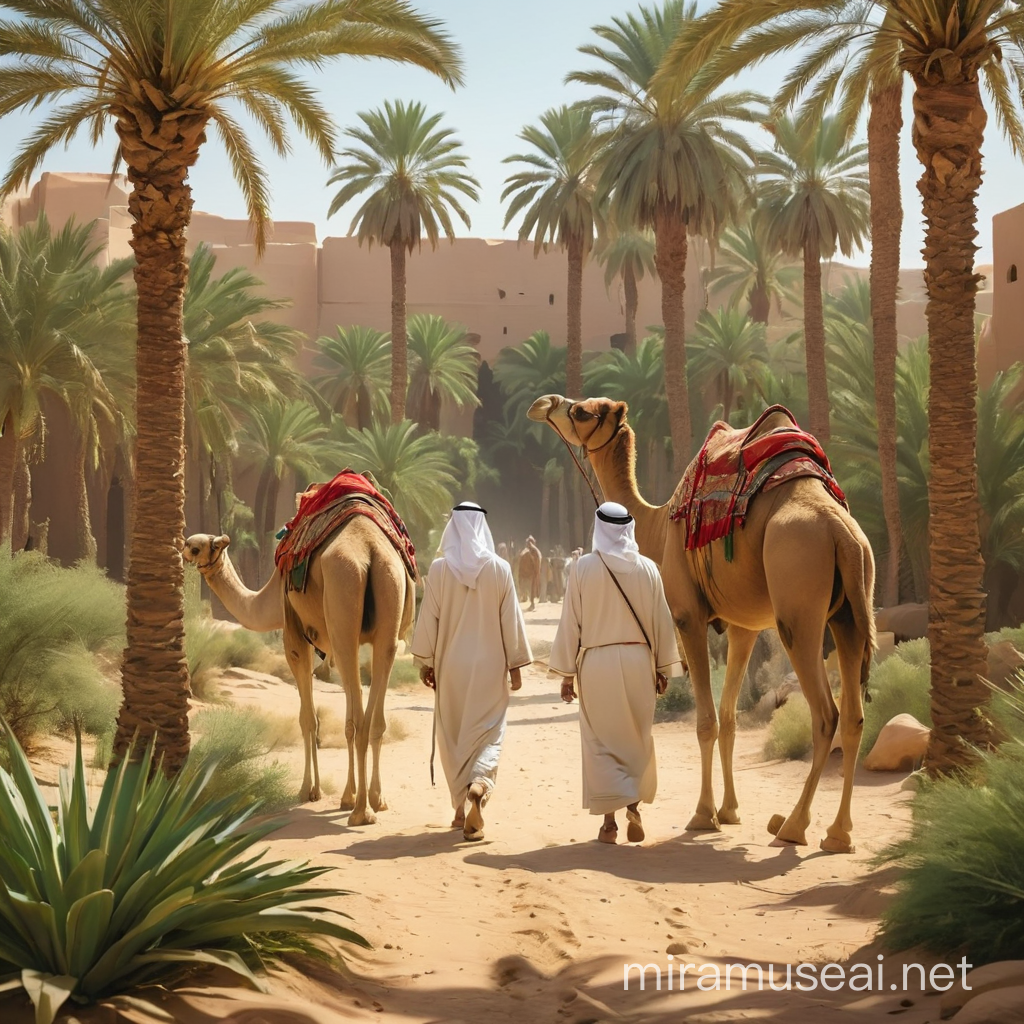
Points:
(204, 550)
(590, 424)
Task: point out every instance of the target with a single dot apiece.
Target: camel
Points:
(530, 563)
(358, 591)
(799, 562)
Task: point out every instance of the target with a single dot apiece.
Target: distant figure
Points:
(556, 573)
(617, 641)
(503, 551)
(530, 564)
(470, 645)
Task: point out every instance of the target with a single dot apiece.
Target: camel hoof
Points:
(309, 796)
(786, 833)
(348, 803)
(728, 817)
(775, 824)
(831, 844)
(704, 823)
(380, 804)
(357, 818)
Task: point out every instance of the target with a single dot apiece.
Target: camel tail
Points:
(856, 566)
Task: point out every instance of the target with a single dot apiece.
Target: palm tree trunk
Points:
(85, 542)
(545, 513)
(670, 259)
(949, 125)
(563, 514)
(814, 341)
(270, 523)
(574, 318)
(399, 340)
(885, 123)
(759, 305)
(21, 524)
(8, 460)
(632, 296)
(154, 673)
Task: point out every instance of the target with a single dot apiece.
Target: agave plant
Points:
(152, 880)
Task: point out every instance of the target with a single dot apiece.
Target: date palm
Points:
(357, 361)
(555, 194)
(164, 74)
(444, 367)
(814, 192)
(728, 352)
(627, 254)
(674, 162)
(411, 175)
(753, 270)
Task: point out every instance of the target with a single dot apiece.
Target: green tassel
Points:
(728, 546)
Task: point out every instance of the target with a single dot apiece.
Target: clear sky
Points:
(516, 59)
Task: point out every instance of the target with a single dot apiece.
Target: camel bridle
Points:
(583, 441)
(212, 563)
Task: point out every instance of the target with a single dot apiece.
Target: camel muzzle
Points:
(543, 408)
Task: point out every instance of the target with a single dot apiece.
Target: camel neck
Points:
(259, 610)
(615, 467)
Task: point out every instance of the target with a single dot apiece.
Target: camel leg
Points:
(850, 645)
(299, 656)
(346, 661)
(385, 649)
(695, 648)
(741, 643)
(805, 655)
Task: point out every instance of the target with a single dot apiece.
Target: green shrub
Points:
(240, 742)
(789, 732)
(1014, 634)
(58, 629)
(403, 673)
(155, 879)
(899, 685)
(675, 701)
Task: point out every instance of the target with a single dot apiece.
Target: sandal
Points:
(635, 831)
(608, 834)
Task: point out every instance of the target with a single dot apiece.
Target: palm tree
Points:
(411, 173)
(57, 307)
(728, 351)
(235, 360)
(534, 367)
(849, 59)
(555, 194)
(412, 469)
(627, 254)
(164, 74)
(674, 162)
(753, 270)
(358, 364)
(444, 367)
(280, 437)
(815, 193)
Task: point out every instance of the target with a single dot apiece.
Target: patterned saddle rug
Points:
(323, 509)
(733, 466)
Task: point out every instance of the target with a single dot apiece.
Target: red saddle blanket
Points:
(323, 508)
(733, 466)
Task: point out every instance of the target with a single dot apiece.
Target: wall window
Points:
(504, 330)
(1011, 274)
(551, 299)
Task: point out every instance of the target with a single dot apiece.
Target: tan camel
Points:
(800, 562)
(530, 565)
(358, 591)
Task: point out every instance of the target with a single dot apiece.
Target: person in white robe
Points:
(620, 659)
(470, 645)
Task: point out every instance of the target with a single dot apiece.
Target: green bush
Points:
(240, 741)
(155, 879)
(789, 732)
(675, 701)
(58, 629)
(899, 685)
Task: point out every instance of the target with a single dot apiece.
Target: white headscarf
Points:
(614, 537)
(466, 544)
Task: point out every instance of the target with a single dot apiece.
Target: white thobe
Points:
(599, 642)
(470, 637)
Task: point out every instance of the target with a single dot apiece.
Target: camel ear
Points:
(221, 542)
(620, 409)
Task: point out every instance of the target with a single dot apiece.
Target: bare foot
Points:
(474, 828)
(635, 828)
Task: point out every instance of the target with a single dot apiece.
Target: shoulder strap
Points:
(629, 605)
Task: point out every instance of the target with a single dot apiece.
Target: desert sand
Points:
(536, 922)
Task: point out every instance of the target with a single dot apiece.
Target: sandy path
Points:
(536, 922)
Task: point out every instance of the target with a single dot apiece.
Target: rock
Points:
(904, 621)
(912, 783)
(678, 949)
(885, 645)
(1004, 662)
(900, 746)
(1002, 974)
(998, 1006)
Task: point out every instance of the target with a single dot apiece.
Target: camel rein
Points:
(587, 451)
